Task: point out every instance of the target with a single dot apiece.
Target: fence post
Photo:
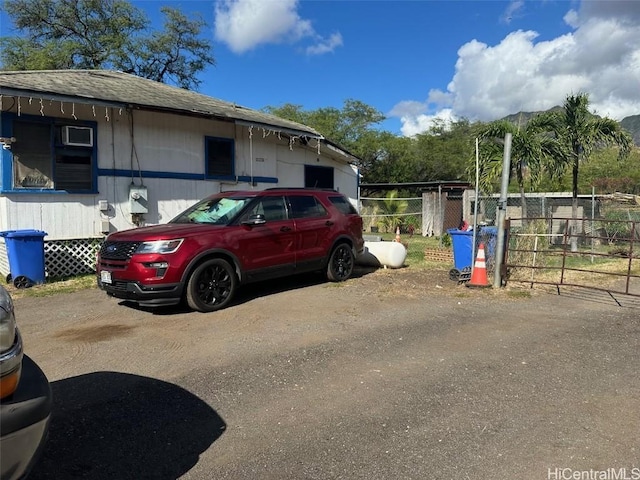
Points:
(502, 211)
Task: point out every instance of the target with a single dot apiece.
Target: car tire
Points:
(211, 285)
(341, 263)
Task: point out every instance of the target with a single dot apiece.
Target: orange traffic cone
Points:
(479, 274)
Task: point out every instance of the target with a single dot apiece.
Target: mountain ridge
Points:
(631, 123)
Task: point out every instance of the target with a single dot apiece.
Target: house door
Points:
(452, 211)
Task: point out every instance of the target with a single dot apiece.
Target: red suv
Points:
(229, 239)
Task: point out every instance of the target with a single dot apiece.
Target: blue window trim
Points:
(207, 175)
(6, 159)
(110, 172)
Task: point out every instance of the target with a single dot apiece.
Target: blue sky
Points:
(419, 60)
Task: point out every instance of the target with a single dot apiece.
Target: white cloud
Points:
(408, 108)
(512, 10)
(415, 124)
(325, 46)
(245, 24)
(601, 57)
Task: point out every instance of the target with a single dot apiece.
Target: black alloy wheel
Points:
(211, 285)
(341, 263)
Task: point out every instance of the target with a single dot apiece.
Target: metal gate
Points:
(599, 255)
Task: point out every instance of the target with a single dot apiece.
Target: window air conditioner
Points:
(77, 136)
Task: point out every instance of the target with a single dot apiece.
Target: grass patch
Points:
(416, 246)
(54, 286)
(518, 293)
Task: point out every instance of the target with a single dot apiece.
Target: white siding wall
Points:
(61, 216)
(170, 144)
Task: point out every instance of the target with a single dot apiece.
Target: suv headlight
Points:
(160, 246)
(10, 347)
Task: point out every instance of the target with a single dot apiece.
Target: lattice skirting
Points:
(62, 258)
(4, 259)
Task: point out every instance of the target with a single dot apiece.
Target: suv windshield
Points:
(215, 211)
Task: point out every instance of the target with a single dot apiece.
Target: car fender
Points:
(212, 253)
(342, 238)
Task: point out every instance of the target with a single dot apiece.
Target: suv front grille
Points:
(118, 250)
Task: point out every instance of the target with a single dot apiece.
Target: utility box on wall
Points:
(138, 199)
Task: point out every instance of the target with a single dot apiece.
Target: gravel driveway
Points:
(392, 374)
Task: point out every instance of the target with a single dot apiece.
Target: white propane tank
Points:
(383, 254)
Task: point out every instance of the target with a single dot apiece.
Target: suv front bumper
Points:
(155, 296)
(24, 422)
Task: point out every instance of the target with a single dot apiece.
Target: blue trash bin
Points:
(25, 249)
(462, 241)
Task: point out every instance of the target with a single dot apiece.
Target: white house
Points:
(88, 152)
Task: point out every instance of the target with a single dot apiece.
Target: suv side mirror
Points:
(257, 219)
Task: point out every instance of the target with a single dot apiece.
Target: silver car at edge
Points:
(25, 399)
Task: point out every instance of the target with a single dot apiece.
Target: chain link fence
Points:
(604, 216)
(603, 222)
(548, 245)
(433, 214)
(386, 214)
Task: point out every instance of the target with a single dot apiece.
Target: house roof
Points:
(123, 89)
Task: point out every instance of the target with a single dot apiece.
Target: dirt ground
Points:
(392, 374)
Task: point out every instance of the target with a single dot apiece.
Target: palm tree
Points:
(581, 133)
(392, 208)
(531, 152)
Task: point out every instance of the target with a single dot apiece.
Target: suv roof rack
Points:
(303, 188)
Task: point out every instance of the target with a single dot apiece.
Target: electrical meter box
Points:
(138, 199)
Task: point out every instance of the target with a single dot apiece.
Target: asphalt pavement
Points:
(391, 375)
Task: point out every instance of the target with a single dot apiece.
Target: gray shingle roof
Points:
(130, 90)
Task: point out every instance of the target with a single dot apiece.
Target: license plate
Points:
(105, 276)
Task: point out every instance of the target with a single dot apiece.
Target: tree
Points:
(581, 133)
(104, 34)
(609, 174)
(444, 151)
(392, 209)
(343, 126)
(350, 127)
(532, 151)
(386, 158)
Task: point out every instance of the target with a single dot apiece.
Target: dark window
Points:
(343, 205)
(73, 170)
(220, 157)
(318, 177)
(273, 209)
(306, 206)
(42, 161)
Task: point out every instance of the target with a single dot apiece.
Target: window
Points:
(273, 209)
(343, 205)
(216, 211)
(306, 206)
(318, 177)
(219, 154)
(41, 160)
